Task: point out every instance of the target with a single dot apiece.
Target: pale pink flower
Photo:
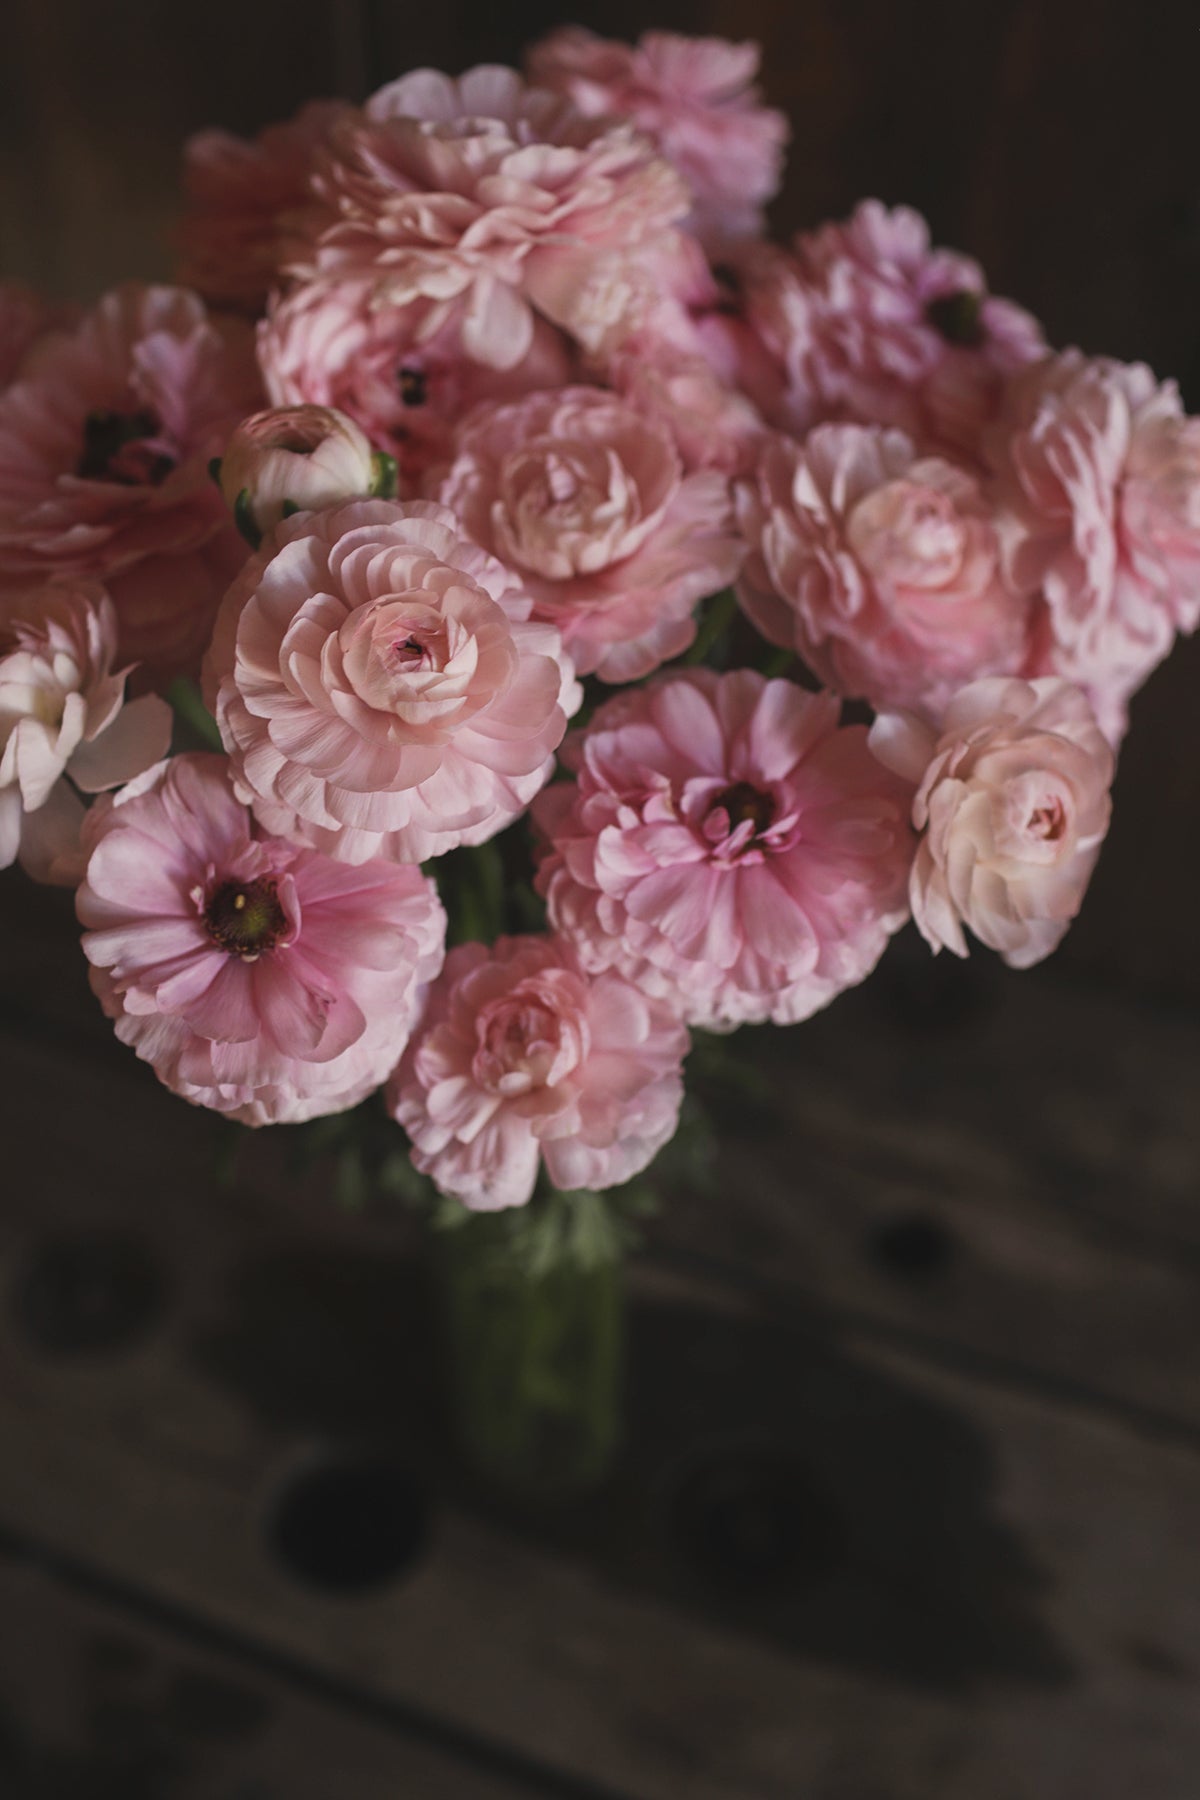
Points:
(1101, 470)
(485, 194)
(381, 687)
(25, 317)
(522, 1058)
(399, 369)
(714, 426)
(695, 98)
(295, 459)
(104, 449)
(868, 321)
(727, 846)
(1012, 802)
(880, 567)
(256, 977)
(240, 196)
(587, 502)
(64, 726)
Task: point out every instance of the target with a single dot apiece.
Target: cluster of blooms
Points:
(504, 385)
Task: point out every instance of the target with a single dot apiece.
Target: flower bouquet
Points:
(501, 614)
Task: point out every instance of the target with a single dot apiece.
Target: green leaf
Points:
(718, 616)
(243, 518)
(184, 697)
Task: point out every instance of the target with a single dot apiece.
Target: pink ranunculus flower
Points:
(587, 502)
(241, 194)
(727, 846)
(258, 978)
(521, 1058)
(64, 724)
(104, 449)
(1101, 471)
(295, 459)
(695, 98)
(25, 317)
(486, 195)
(1012, 800)
(381, 686)
(880, 567)
(868, 321)
(400, 369)
(714, 426)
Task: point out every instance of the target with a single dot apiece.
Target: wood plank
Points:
(95, 1702)
(936, 1584)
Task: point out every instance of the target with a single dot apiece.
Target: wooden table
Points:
(909, 1506)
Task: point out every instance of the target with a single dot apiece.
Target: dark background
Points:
(1055, 140)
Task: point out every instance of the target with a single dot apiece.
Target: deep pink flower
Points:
(728, 846)
(1012, 800)
(485, 194)
(881, 568)
(522, 1057)
(241, 195)
(867, 321)
(400, 370)
(1102, 472)
(62, 714)
(695, 98)
(104, 448)
(587, 502)
(258, 978)
(381, 687)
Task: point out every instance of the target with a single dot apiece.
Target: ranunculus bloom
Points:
(695, 98)
(714, 425)
(486, 193)
(104, 449)
(869, 322)
(258, 978)
(240, 197)
(381, 687)
(399, 369)
(586, 500)
(728, 846)
(1102, 471)
(522, 1057)
(62, 715)
(25, 317)
(881, 568)
(1012, 800)
(295, 459)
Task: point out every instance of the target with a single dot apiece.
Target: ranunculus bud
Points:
(293, 459)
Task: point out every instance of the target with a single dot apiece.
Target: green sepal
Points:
(243, 518)
(385, 477)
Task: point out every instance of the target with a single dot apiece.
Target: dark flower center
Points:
(413, 385)
(245, 917)
(958, 318)
(124, 447)
(742, 801)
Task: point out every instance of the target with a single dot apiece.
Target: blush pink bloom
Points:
(104, 448)
(295, 459)
(1101, 470)
(381, 687)
(695, 98)
(881, 568)
(1012, 801)
(522, 1058)
(868, 321)
(714, 426)
(727, 846)
(64, 727)
(256, 977)
(240, 198)
(400, 369)
(587, 502)
(481, 192)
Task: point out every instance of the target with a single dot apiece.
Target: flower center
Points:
(743, 802)
(413, 384)
(125, 447)
(957, 317)
(1049, 820)
(245, 917)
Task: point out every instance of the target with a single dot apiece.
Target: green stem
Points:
(184, 697)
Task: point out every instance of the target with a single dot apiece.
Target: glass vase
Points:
(532, 1310)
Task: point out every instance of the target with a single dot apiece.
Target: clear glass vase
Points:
(532, 1310)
